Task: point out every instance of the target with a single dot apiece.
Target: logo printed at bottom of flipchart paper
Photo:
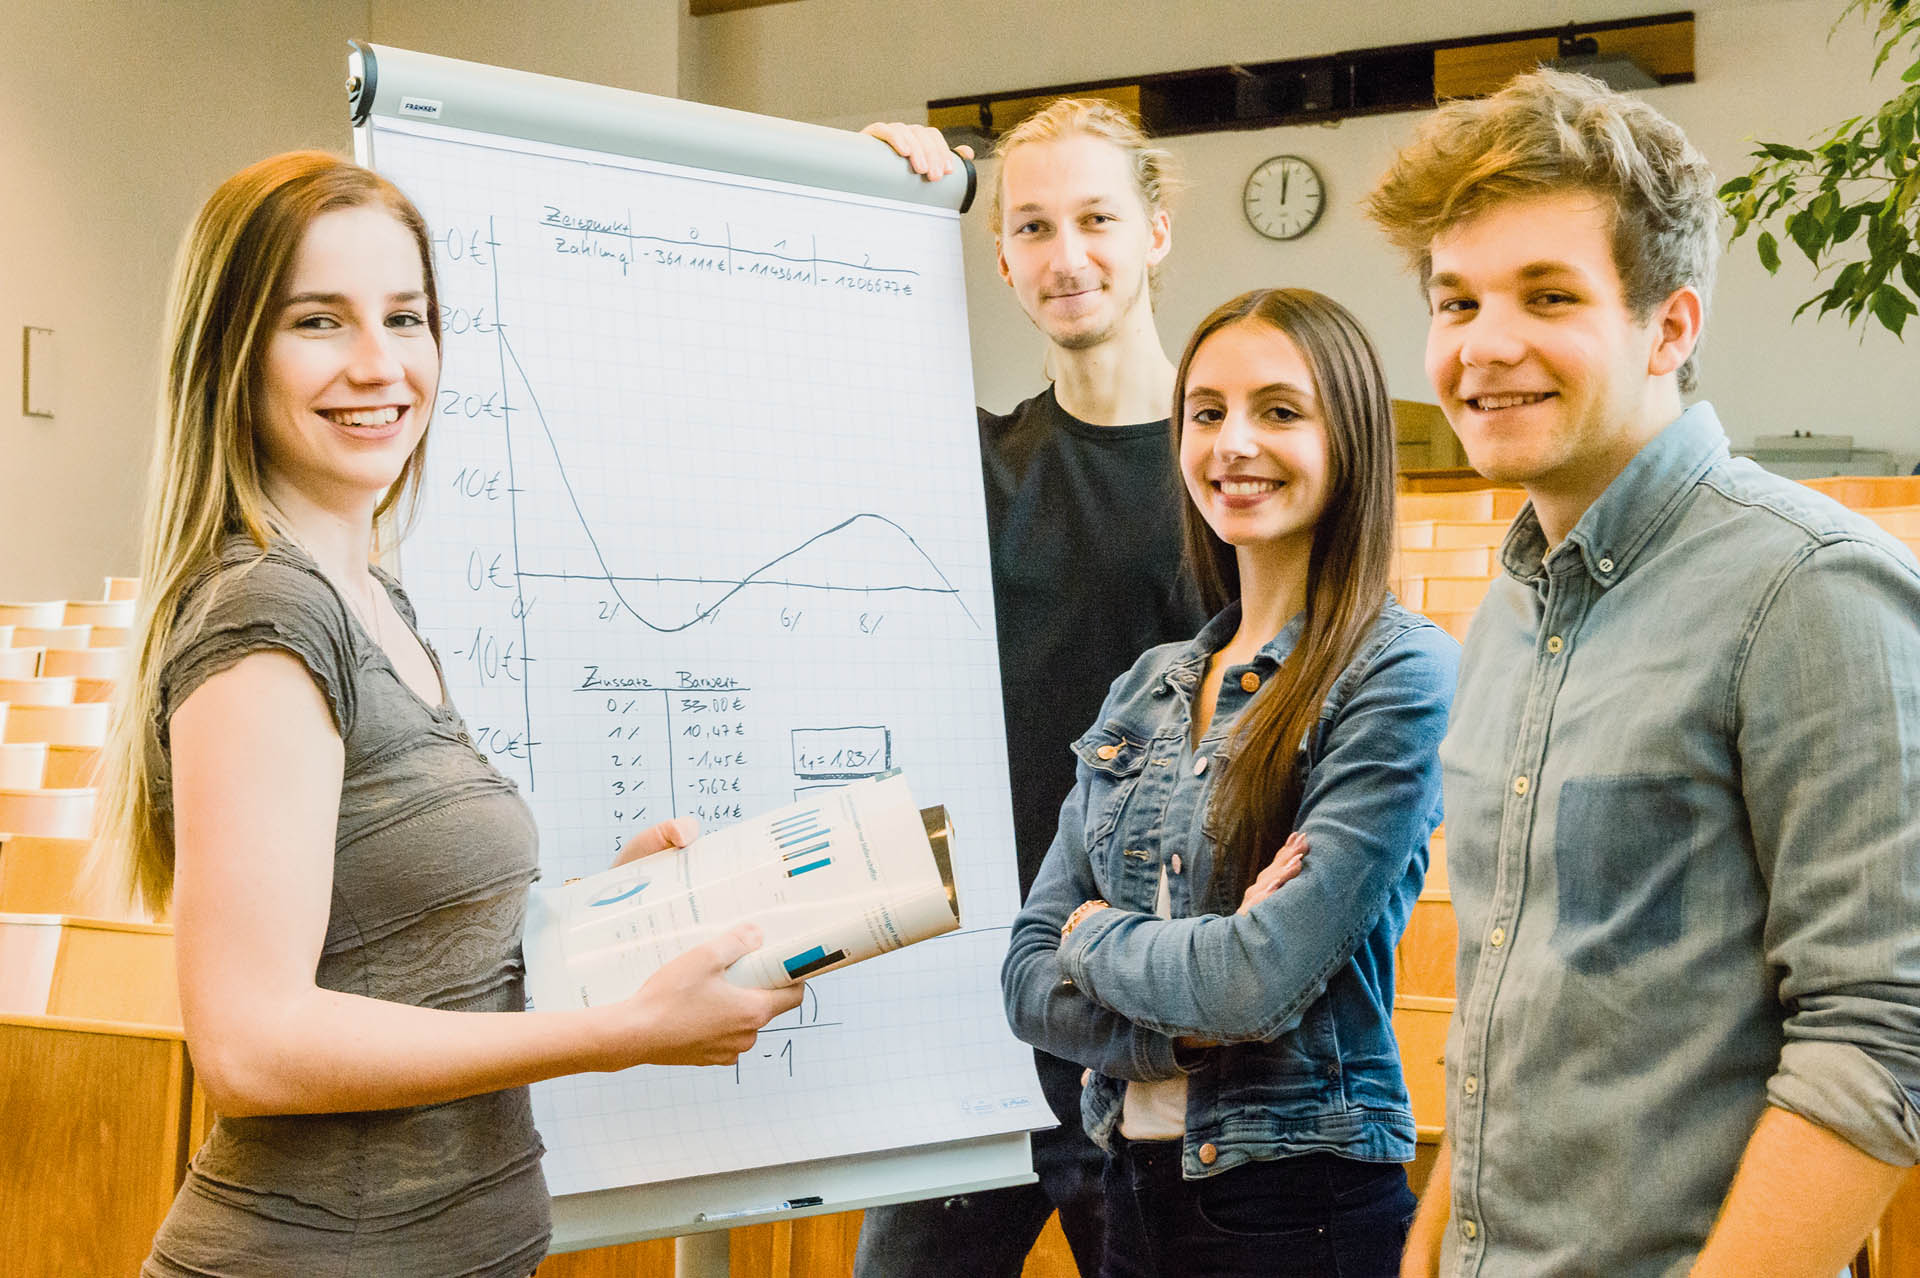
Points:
(984, 1106)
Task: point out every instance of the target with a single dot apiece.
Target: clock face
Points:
(1284, 197)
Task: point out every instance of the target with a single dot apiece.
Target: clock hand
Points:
(1284, 175)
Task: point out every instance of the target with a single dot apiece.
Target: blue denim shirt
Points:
(1683, 803)
(1299, 989)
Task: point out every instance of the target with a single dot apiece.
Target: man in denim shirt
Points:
(1683, 772)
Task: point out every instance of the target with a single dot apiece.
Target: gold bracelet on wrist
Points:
(1079, 915)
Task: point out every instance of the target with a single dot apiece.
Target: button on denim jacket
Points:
(1299, 990)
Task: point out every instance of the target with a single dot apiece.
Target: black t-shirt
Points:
(1087, 575)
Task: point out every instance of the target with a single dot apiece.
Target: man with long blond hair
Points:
(1083, 508)
(1683, 830)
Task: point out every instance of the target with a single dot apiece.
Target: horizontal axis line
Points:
(731, 581)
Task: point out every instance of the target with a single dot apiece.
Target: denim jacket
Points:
(1299, 990)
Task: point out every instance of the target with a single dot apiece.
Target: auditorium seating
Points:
(71, 766)
(23, 766)
(93, 969)
(74, 725)
(54, 814)
(99, 612)
(94, 1075)
(54, 636)
(1423, 962)
(1447, 543)
(48, 876)
(1866, 492)
(54, 690)
(48, 613)
(101, 1122)
(85, 663)
(1902, 521)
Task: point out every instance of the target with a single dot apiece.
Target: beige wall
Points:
(116, 120)
(117, 117)
(1765, 69)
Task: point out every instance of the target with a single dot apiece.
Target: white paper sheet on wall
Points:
(701, 530)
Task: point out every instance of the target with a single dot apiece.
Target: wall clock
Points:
(1284, 197)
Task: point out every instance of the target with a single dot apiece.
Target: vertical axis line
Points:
(513, 499)
(673, 790)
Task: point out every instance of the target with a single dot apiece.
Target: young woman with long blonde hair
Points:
(346, 874)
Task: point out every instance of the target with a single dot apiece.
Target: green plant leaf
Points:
(1899, 133)
(1865, 170)
(1848, 286)
(1891, 307)
(1877, 232)
(1847, 223)
(1877, 270)
(1824, 208)
(1886, 237)
(1805, 232)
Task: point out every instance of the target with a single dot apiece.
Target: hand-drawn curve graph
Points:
(777, 571)
(863, 554)
(702, 528)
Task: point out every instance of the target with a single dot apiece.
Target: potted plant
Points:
(1861, 180)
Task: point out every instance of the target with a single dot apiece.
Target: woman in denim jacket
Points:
(1243, 1074)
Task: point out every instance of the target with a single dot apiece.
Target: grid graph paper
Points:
(702, 529)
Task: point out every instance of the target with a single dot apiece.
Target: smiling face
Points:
(1253, 443)
(1548, 378)
(1077, 240)
(349, 373)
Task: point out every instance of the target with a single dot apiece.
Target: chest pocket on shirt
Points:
(1621, 849)
(1116, 758)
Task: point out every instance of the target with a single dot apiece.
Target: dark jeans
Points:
(989, 1235)
(1309, 1216)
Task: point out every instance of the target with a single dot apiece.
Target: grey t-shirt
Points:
(434, 853)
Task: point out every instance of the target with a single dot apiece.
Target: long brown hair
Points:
(205, 481)
(1257, 798)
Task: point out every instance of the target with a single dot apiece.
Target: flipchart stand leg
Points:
(701, 1255)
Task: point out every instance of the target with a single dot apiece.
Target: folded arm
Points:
(1368, 805)
(1042, 1007)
